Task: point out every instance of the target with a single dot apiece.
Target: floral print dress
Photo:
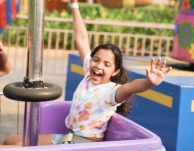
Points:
(92, 106)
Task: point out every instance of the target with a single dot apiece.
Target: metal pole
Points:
(18, 116)
(1, 93)
(34, 68)
(25, 125)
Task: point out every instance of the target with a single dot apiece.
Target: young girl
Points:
(104, 87)
(5, 65)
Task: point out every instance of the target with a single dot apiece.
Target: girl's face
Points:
(102, 67)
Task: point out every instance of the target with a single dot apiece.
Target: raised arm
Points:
(154, 77)
(80, 32)
(5, 65)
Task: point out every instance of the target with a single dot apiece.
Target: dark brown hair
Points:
(120, 78)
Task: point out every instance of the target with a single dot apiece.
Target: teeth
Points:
(96, 72)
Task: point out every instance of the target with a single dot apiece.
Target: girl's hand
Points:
(156, 75)
(1, 48)
(73, 1)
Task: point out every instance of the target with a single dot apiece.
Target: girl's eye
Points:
(106, 65)
(95, 59)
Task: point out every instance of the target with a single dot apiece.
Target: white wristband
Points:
(74, 5)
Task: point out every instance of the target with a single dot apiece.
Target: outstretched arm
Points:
(80, 32)
(154, 77)
(5, 65)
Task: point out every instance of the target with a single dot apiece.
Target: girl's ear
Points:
(115, 72)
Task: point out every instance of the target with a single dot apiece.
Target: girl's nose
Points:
(99, 65)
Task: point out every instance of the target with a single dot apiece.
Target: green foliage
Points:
(152, 14)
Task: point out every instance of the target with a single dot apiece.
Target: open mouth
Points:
(96, 74)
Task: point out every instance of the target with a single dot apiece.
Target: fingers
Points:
(147, 71)
(167, 70)
(158, 66)
(158, 63)
(152, 63)
(162, 65)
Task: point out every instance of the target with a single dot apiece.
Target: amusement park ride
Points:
(171, 118)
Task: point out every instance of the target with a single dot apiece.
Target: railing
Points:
(108, 22)
(56, 52)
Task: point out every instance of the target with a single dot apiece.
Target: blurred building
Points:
(51, 5)
(63, 4)
(59, 5)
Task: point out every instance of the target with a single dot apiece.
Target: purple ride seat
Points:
(121, 134)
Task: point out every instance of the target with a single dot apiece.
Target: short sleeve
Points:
(86, 65)
(111, 95)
